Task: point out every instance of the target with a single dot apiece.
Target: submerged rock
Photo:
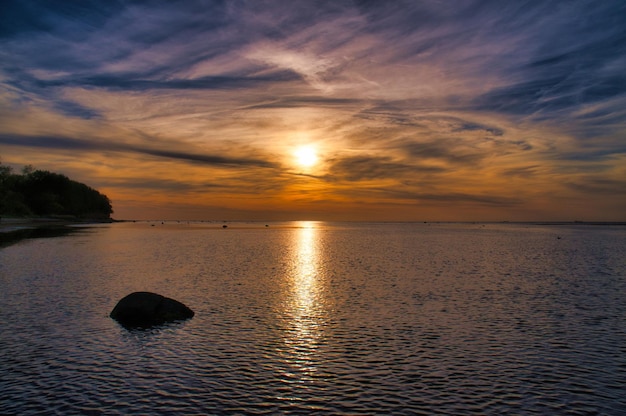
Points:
(145, 309)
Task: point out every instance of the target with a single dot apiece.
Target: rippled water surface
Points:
(319, 318)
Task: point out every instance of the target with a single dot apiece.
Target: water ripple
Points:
(319, 320)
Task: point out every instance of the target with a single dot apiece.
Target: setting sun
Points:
(306, 156)
(309, 114)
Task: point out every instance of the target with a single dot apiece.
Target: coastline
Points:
(10, 224)
(13, 230)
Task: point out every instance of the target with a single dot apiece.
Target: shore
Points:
(9, 224)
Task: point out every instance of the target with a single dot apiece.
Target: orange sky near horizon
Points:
(415, 112)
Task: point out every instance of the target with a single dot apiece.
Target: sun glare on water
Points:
(305, 156)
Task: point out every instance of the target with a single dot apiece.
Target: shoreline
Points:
(10, 224)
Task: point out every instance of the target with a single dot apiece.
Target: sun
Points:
(306, 156)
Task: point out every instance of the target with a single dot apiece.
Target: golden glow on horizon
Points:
(327, 124)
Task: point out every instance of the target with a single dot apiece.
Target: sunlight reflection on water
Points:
(305, 307)
(306, 317)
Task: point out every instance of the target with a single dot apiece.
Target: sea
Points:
(317, 318)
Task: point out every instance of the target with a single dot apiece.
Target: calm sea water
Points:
(319, 318)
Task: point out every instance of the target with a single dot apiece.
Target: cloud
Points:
(130, 82)
(449, 150)
(437, 197)
(458, 151)
(73, 109)
(364, 168)
(311, 67)
(573, 58)
(523, 171)
(485, 103)
(42, 16)
(71, 144)
(306, 101)
(162, 185)
(598, 186)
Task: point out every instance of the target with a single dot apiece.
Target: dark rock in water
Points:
(145, 309)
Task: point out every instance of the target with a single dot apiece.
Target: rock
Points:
(145, 309)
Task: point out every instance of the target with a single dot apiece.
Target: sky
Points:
(420, 110)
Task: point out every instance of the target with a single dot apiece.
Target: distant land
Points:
(42, 195)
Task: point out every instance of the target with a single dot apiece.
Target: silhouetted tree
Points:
(38, 192)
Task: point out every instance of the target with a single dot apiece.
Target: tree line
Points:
(43, 193)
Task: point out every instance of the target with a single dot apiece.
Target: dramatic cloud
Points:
(69, 144)
(418, 110)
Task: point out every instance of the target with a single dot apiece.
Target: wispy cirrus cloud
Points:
(363, 168)
(72, 144)
(502, 107)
